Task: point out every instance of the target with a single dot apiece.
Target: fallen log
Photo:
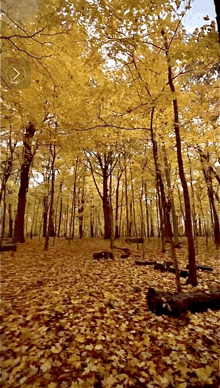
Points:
(167, 267)
(143, 262)
(168, 303)
(126, 251)
(103, 255)
(8, 245)
(137, 240)
(203, 268)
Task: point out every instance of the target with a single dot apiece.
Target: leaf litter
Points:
(69, 321)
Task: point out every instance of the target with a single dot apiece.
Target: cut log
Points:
(8, 245)
(167, 267)
(137, 240)
(142, 262)
(103, 255)
(168, 303)
(202, 268)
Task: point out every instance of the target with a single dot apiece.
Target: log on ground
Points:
(203, 268)
(126, 251)
(103, 255)
(167, 267)
(137, 240)
(168, 303)
(144, 262)
(8, 245)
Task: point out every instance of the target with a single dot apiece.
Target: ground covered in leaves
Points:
(70, 321)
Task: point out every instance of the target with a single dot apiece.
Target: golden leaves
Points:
(84, 336)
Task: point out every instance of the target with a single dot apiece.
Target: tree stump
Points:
(168, 303)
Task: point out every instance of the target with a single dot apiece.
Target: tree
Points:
(28, 155)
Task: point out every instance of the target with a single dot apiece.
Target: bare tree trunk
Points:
(61, 209)
(126, 200)
(141, 210)
(121, 211)
(10, 221)
(147, 209)
(133, 200)
(192, 279)
(33, 218)
(24, 181)
(3, 218)
(170, 195)
(91, 220)
(73, 211)
(215, 221)
(50, 220)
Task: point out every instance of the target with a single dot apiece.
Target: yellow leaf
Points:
(98, 347)
(204, 373)
(182, 385)
(80, 338)
(52, 385)
(100, 336)
(46, 366)
(146, 340)
(123, 327)
(57, 348)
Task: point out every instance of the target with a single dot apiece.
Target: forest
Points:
(109, 195)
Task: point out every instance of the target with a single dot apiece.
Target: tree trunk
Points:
(73, 211)
(60, 214)
(50, 229)
(141, 210)
(81, 210)
(24, 181)
(128, 233)
(170, 194)
(133, 200)
(147, 208)
(10, 222)
(45, 212)
(192, 279)
(3, 218)
(216, 227)
(91, 220)
(106, 206)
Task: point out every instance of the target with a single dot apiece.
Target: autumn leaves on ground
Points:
(72, 321)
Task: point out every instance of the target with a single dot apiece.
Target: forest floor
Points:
(71, 321)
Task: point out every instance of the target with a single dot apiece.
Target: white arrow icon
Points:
(17, 75)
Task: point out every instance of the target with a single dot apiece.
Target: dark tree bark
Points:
(192, 279)
(73, 211)
(216, 226)
(147, 210)
(50, 229)
(61, 210)
(216, 2)
(81, 210)
(91, 220)
(24, 182)
(45, 212)
(175, 304)
(117, 234)
(10, 235)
